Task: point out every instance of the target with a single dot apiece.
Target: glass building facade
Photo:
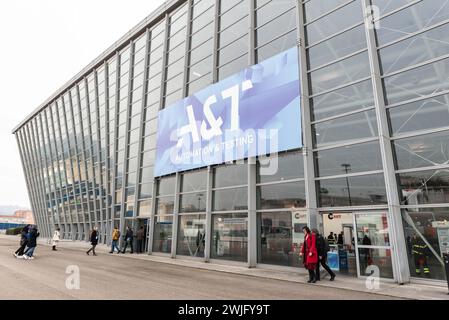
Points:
(374, 169)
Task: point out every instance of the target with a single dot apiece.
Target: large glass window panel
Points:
(198, 84)
(386, 6)
(201, 68)
(192, 202)
(173, 97)
(236, 13)
(280, 237)
(202, 35)
(233, 67)
(427, 233)
(424, 114)
(414, 18)
(349, 128)
(340, 73)
(352, 191)
(162, 239)
(372, 230)
(352, 98)
(420, 48)
(282, 24)
(273, 9)
(237, 48)
(144, 208)
(282, 167)
(192, 235)
(225, 5)
(230, 199)
(230, 175)
(165, 205)
(166, 186)
(146, 190)
(424, 187)
(202, 20)
(284, 195)
(418, 82)
(201, 52)
(281, 44)
(230, 237)
(348, 159)
(177, 39)
(233, 32)
(316, 8)
(334, 22)
(199, 6)
(380, 258)
(194, 181)
(337, 47)
(422, 151)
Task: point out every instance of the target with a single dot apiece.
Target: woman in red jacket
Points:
(309, 253)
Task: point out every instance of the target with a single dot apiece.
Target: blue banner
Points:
(254, 112)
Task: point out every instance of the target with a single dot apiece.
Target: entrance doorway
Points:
(359, 242)
(141, 245)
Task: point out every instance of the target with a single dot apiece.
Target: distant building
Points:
(20, 218)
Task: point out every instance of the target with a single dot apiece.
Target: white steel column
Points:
(401, 269)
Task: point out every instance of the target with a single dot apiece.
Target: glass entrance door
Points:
(373, 244)
(338, 229)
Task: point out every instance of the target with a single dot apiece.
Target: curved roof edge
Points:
(123, 41)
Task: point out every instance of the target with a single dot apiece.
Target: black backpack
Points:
(327, 248)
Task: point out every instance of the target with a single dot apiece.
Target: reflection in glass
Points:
(230, 175)
(424, 114)
(230, 199)
(285, 166)
(426, 231)
(424, 187)
(372, 230)
(360, 157)
(230, 237)
(162, 239)
(285, 195)
(191, 235)
(192, 202)
(355, 97)
(362, 125)
(280, 237)
(340, 73)
(422, 151)
(165, 205)
(363, 190)
(416, 83)
(371, 260)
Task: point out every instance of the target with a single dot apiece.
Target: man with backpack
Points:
(323, 248)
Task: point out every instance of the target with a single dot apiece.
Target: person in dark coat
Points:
(140, 239)
(93, 241)
(322, 249)
(23, 241)
(129, 239)
(32, 243)
(309, 253)
(340, 240)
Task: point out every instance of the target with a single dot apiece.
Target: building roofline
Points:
(156, 15)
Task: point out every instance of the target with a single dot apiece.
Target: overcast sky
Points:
(44, 43)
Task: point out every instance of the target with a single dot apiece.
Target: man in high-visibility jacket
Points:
(419, 250)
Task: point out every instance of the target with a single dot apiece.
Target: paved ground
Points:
(111, 277)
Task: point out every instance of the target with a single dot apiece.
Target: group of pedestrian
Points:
(28, 242)
(128, 240)
(314, 252)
